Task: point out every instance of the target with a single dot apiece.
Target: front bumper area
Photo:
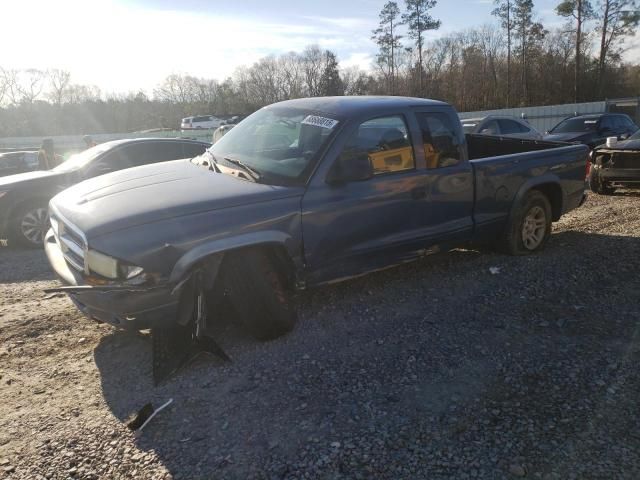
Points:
(621, 175)
(135, 307)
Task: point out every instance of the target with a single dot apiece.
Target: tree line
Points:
(515, 62)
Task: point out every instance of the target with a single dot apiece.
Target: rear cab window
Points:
(442, 146)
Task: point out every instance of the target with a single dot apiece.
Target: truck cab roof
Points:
(356, 105)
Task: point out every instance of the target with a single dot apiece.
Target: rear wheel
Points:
(29, 225)
(259, 293)
(529, 228)
(597, 185)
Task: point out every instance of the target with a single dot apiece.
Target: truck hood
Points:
(157, 192)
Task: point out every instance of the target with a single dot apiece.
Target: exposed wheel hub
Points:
(534, 228)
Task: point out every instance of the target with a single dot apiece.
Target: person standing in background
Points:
(89, 141)
(47, 159)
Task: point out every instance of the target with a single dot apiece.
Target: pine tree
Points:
(388, 41)
(419, 20)
(504, 11)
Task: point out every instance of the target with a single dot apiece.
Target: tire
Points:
(259, 294)
(529, 228)
(29, 223)
(597, 185)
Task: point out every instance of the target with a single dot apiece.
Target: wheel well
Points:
(282, 261)
(276, 253)
(553, 192)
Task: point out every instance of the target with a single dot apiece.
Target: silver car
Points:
(503, 126)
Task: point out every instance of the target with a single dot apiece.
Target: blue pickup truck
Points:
(301, 193)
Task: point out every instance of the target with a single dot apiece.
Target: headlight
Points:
(110, 267)
(102, 264)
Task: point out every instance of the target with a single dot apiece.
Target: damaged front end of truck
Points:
(109, 291)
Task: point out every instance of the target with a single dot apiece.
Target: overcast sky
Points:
(123, 45)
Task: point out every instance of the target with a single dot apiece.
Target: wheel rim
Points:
(34, 225)
(534, 228)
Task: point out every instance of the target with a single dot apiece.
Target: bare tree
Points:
(59, 81)
(618, 19)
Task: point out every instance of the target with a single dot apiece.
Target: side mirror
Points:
(357, 168)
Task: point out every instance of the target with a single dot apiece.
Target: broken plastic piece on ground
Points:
(172, 348)
(145, 415)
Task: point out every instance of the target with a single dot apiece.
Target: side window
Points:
(385, 141)
(606, 124)
(153, 152)
(509, 127)
(440, 139)
(190, 150)
(116, 159)
(490, 128)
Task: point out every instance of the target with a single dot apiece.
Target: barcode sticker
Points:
(322, 122)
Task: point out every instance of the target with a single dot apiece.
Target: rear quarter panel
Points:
(501, 182)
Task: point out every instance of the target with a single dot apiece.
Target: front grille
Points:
(71, 240)
(625, 160)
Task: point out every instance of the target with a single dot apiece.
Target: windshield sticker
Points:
(320, 121)
(590, 121)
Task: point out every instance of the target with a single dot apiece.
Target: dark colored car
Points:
(24, 197)
(301, 193)
(18, 162)
(592, 130)
(615, 166)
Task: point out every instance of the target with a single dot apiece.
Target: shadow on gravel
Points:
(24, 265)
(435, 354)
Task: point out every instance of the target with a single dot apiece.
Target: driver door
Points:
(354, 227)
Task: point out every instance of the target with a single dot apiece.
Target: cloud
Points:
(120, 47)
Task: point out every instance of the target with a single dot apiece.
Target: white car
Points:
(500, 126)
(201, 122)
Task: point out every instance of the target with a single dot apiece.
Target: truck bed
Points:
(485, 146)
(505, 167)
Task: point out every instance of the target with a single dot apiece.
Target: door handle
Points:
(419, 193)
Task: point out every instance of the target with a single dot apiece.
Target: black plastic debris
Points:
(145, 414)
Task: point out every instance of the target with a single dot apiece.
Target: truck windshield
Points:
(576, 125)
(281, 144)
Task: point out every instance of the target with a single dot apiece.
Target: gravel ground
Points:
(438, 369)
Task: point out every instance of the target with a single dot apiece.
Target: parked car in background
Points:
(503, 126)
(301, 193)
(200, 123)
(592, 130)
(18, 162)
(24, 197)
(616, 165)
